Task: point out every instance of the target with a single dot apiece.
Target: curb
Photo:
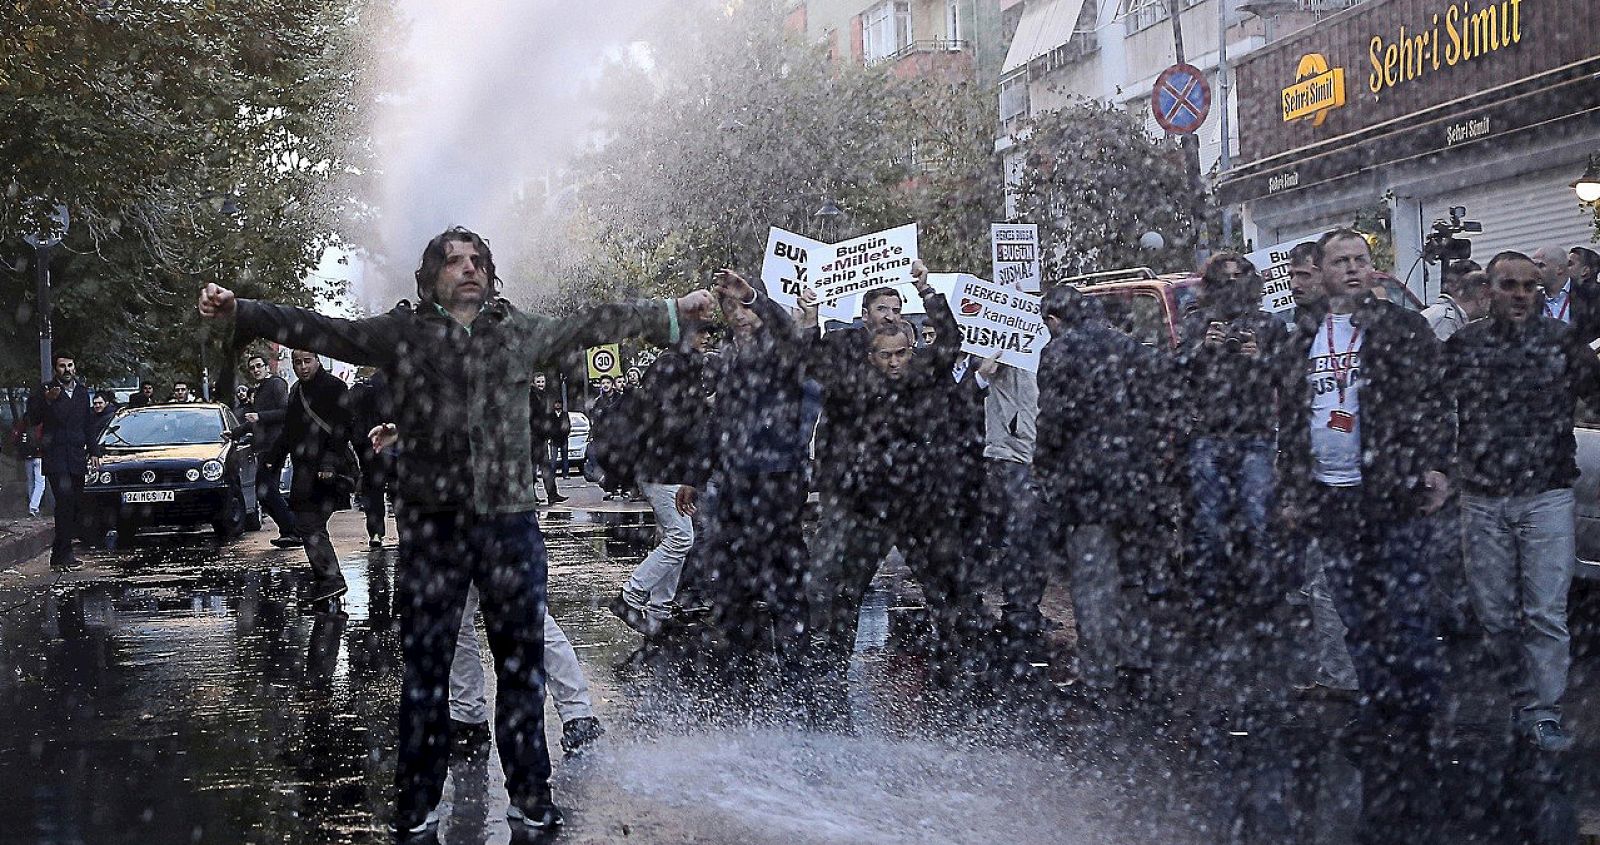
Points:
(19, 547)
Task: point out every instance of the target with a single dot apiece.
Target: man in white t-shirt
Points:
(1364, 441)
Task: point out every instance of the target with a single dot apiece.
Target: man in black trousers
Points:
(62, 407)
(271, 402)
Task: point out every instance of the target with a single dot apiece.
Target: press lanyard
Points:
(1561, 315)
(1341, 366)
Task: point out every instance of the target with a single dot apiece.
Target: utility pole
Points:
(41, 277)
(1225, 161)
(1191, 146)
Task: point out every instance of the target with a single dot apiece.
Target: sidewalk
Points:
(22, 539)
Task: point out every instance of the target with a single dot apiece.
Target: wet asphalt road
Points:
(176, 694)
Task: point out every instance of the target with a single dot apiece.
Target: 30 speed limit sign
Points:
(605, 361)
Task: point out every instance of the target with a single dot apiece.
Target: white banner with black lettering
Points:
(995, 318)
(1014, 248)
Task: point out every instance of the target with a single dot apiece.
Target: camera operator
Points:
(1464, 297)
(1226, 357)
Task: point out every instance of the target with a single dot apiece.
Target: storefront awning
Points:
(1045, 25)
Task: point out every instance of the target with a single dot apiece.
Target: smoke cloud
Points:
(490, 99)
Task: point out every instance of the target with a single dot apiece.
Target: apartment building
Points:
(954, 39)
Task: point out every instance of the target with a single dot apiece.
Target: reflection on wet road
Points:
(190, 700)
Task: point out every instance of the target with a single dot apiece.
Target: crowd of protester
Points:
(1358, 452)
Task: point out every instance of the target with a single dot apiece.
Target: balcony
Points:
(947, 57)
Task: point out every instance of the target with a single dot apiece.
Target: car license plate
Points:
(142, 496)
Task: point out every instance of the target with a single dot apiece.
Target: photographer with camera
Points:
(1227, 356)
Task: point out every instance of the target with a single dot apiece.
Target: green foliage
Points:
(1095, 181)
(736, 126)
(190, 141)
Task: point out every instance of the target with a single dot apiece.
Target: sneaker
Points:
(634, 617)
(326, 592)
(543, 818)
(375, 541)
(1549, 736)
(472, 735)
(577, 733)
(557, 499)
(288, 542)
(72, 565)
(401, 832)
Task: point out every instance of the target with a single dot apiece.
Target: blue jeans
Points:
(1521, 553)
(1378, 573)
(1231, 483)
(441, 553)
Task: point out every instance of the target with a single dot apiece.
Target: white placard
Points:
(786, 269)
(1014, 251)
(841, 272)
(1273, 265)
(994, 318)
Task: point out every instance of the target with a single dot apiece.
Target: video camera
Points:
(1441, 244)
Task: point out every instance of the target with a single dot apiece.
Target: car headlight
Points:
(192, 475)
(89, 479)
(105, 478)
(212, 470)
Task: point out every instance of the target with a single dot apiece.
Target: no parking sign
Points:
(1181, 99)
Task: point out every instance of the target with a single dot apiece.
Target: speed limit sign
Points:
(605, 361)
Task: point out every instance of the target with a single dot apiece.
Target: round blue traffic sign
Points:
(1181, 99)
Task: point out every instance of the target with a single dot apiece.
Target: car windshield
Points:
(164, 427)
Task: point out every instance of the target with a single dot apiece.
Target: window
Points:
(952, 20)
(885, 30)
(1139, 15)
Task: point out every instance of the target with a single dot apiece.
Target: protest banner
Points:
(786, 268)
(1273, 265)
(1014, 248)
(997, 318)
(841, 272)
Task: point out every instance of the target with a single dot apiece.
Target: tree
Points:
(1095, 182)
(190, 142)
(733, 126)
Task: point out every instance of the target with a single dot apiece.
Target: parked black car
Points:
(177, 465)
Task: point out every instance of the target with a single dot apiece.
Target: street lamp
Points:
(1588, 185)
(43, 244)
(828, 215)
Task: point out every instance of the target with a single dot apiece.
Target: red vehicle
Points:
(1147, 306)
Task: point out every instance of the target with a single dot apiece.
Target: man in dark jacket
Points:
(371, 407)
(101, 409)
(1566, 297)
(670, 452)
(460, 364)
(546, 428)
(266, 419)
(1516, 378)
(882, 481)
(61, 406)
(1363, 444)
(1097, 431)
(145, 396)
(754, 546)
(1227, 357)
(317, 432)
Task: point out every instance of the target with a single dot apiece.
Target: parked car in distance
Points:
(172, 465)
(577, 441)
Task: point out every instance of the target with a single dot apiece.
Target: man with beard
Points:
(460, 364)
(316, 434)
(61, 407)
(753, 546)
(883, 484)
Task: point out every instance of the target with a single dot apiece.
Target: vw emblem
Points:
(149, 477)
